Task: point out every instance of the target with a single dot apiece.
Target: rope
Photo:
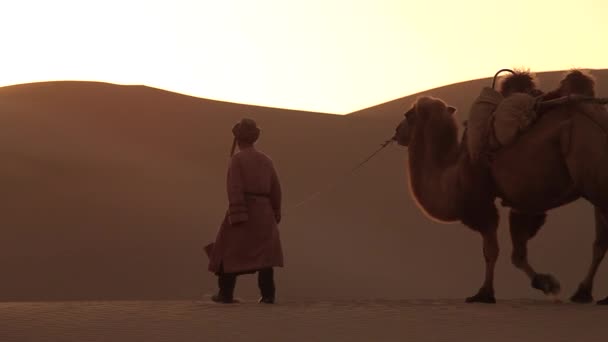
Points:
(571, 98)
(348, 174)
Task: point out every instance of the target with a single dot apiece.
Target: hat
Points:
(246, 131)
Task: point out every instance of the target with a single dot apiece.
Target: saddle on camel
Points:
(498, 117)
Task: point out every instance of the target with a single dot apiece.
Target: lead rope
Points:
(348, 174)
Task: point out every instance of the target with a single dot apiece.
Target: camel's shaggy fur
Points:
(522, 81)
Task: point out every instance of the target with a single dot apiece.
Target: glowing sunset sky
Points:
(334, 56)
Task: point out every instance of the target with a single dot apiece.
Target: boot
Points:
(226, 282)
(266, 285)
(220, 298)
(266, 300)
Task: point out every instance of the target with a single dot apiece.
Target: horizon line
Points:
(284, 108)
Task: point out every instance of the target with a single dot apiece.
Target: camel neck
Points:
(434, 176)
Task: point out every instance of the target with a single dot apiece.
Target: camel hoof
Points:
(546, 283)
(482, 296)
(603, 301)
(582, 295)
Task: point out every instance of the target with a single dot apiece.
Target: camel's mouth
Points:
(402, 132)
(402, 136)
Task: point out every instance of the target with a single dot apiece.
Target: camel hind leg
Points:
(523, 227)
(600, 245)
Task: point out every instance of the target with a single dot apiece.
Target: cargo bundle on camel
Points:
(534, 151)
(498, 117)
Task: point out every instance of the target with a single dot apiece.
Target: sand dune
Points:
(110, 192)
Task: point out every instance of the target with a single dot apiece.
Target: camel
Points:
(562, 157)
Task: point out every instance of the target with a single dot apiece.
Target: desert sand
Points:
(367, 320)
(110, 192)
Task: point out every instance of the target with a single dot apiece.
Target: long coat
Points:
(248, 238)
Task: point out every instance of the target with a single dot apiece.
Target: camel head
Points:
(424, 111)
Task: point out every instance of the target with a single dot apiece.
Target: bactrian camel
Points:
(562, 157)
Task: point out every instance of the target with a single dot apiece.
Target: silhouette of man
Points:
(248, 240)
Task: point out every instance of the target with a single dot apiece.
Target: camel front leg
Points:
(490, 253)
(523, 227)
(585, 289)
(484, 221)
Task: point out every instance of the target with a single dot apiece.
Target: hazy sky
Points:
(334, 56)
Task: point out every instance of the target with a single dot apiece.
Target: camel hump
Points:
(577, 82)
(574, 82)
(520, 81)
